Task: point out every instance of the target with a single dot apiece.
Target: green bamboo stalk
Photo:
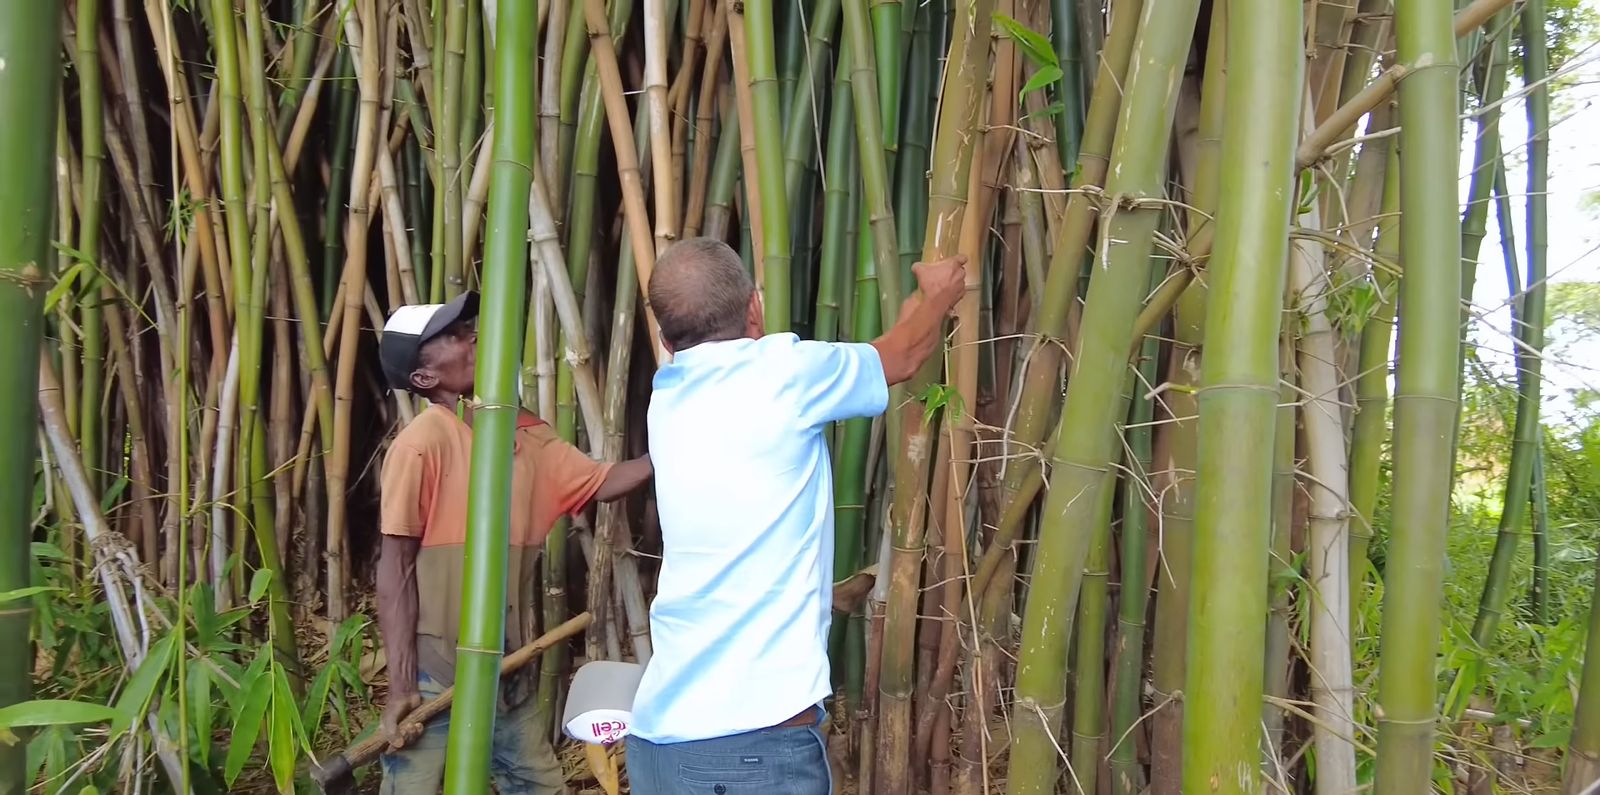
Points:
(1486, 154)
(1085, 448)
(1539, 591)
(869, 116)
(841, 177)
(66, 181)
(416, 206)
(474, 92)
(344, 114)
(767, 116)
(1368, 33)
(1069, 88)
(1092, 38)
(1089, 691)
(1583, 751)
(916, 122)
(252, 467)
(802, 122)
(1234, 483)
(891, 31)
(1280, 567)
(453, 15)
(725, 170)
(234, 208)
(1180, 439)
(585, 177)
(303, 44)
(91, 113)
(483, 597)
(574, 54)
(1528, 329)
(1425, 394)
(305, 305)
(911, 170)
(850, 493)
(29, 89)
(790, 35)
(1135, 592)
(1372, 388)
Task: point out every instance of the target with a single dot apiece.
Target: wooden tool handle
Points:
(333, 770)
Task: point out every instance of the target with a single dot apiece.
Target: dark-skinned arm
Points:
(916, 334)
(625, 478)
(397, 621)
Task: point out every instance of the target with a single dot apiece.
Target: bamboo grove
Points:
(1127, 531)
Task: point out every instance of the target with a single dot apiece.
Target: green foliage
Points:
(1569, 26)
(1040, 52)
(54, 712)
(237, 702)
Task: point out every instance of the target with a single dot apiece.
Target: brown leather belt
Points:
(807, 717)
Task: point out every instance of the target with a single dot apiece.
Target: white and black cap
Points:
(410, 327)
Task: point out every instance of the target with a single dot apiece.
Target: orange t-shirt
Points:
(425, 477)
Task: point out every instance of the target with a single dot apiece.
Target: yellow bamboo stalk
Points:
(700, 180)
(747, 134)
(359, 27)
(655, 95)
(617, 118)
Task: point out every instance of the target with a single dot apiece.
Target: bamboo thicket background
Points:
(1109, 557)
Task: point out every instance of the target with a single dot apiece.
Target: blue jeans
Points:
(786, 761)
(523, 761)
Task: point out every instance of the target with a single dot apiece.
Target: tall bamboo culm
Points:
(1233, 517)
(1084, 450)
(1425, 393)
(29, 89)
(482, 624)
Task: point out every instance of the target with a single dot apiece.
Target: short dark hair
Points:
(700, 291)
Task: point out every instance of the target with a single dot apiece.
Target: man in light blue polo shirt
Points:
(731, 700)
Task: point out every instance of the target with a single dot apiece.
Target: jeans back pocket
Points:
(725, 773)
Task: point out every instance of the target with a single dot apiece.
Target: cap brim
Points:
(462, 307)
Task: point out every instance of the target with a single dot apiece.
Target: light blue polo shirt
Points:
(744, 488)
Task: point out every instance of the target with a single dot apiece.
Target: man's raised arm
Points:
(915, 336)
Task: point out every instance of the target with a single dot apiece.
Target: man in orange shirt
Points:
(431, 350)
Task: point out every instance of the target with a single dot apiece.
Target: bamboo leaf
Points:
(316, 703)
(351, 676)
(258, 584)
(248, 726)
(48, 551)
(23, 593)
(1038, 48)
(351, 628)
(43, 745)
(202, 608)
(53, 712)
(281, 746)
(1041, 79)
(135, 699)
(200, 705)
(62, 287)
(113, 494)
